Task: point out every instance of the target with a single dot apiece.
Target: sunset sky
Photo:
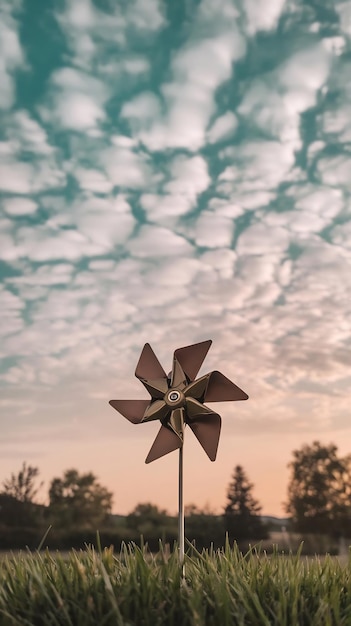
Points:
(173, 172)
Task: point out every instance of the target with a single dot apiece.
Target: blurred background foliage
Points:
(318, 511)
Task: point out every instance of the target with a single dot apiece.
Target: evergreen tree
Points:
(242, 513)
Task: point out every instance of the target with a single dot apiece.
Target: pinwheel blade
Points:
(157, 410)
(192, 357)
(178, 378)
(195, 408)
(197, 389)
(221, 389)
(207, 429)
(177, 421)
(156, 388)
(166, 441)
(133, 410)
(149, 367)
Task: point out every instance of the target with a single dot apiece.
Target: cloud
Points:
(125, 167)
(185, 179)
(105, 223)
(260, 165)
(91, 226)
(28, 135)
(223, 127)
(275, 101)
(197, 69)
(213, 231)
(78, 111)
(141, 111)
(344, 11)
(11, 314)
(160, 208)
(20, 177)
(262, 16)
(337, 122)
(188, 176)
(156, 242)
(171, 200)
(222, 260)
(19, 206)
(45, 275)
(16, 177)
(341, 235)
(89, 29)
(93, 180)
(190, 97)
(77, 99)
(335, 171)
(11, 56)
(42, 244)
(29, 163)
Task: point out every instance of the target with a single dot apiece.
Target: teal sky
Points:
(173, 172)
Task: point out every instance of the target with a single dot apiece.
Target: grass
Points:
(136, 587)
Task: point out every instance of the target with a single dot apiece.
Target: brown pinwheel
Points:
(178, 399)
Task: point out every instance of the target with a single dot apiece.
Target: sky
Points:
(173, 172)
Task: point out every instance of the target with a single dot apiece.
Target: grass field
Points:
(135, 587)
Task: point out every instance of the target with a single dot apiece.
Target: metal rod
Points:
(181, 510)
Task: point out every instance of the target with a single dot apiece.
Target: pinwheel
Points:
(178, 399)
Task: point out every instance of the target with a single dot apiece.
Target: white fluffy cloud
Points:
(11, 56)
(198, 69)
(261, 238)
(223, 127)
(16, 177)
(88, 29)
(187, 178)
(141, 111)
(344, 11)
(28, 135)
(93, 180)
(213, 231)
(158, 242)
(198, 72)
(11, 315)
(261, 166)
(29, 163)
(77, 99)
(106, 223)
(335, 171)
(90, 281)
(275, 101)
(125, 167)
(261, 15)
(19, 177)
(19, 206)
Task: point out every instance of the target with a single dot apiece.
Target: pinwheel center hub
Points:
(174, 398)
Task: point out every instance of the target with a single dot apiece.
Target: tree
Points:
(152, 524)
(319, 490)
(17, 498)
(22, 486)
(242, 513)
(147, 519)
(203, 526)
(79, 501)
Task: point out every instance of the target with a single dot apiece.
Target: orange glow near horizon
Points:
(119, 465)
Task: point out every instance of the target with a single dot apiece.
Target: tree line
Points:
(318, 502)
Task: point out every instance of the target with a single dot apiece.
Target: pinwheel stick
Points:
(181, 538)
